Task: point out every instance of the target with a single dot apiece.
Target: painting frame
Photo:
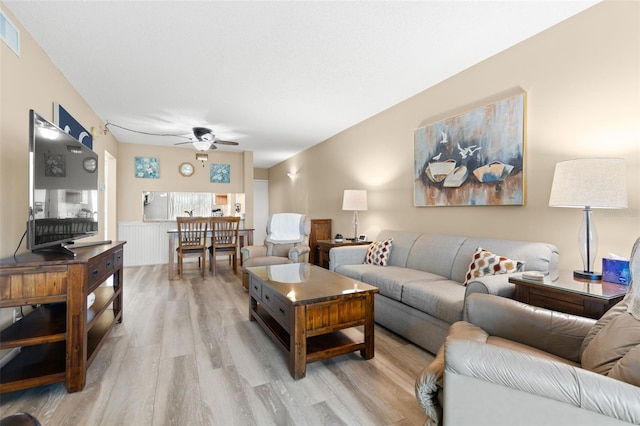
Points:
(219, 173)
(147, 168)
(55, 165)
(476, 158)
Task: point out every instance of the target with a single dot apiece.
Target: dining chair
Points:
(224, 240)
(192, 240)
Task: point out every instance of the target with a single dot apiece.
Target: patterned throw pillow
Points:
(379, 252)
(486, 263)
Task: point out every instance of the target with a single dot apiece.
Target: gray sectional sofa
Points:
(421, 288)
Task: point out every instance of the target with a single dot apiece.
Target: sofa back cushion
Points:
(402, 244)
(435, 253)
(612, 343)
(535, 255)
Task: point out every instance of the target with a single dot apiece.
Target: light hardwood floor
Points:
(186, 354)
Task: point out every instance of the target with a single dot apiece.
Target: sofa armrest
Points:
(554, 332)
(253, 251)
(498, 285)
(545, 378)
(297, 254)
(349, 255)
(429, 383)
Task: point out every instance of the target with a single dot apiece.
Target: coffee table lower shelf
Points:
(317, 347)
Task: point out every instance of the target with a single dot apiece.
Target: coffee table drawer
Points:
(255, 288)
(278, 308)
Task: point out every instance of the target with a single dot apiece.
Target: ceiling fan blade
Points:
(212, 147)
(221, 142)
(183, 143)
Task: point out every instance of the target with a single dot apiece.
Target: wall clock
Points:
(186, 169)
(90, 164)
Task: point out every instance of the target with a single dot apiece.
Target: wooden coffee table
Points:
(304, 307)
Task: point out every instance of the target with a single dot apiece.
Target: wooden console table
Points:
(61, 337)
(569, 295)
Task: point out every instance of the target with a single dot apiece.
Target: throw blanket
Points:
(285, 228)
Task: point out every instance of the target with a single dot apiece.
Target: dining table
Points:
(245, 238)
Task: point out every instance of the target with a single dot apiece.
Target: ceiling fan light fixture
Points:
(203, 134)
(202, 145)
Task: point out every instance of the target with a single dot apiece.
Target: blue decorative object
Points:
(147, 167)
(616, 271)
(66, 122)
(220, 173)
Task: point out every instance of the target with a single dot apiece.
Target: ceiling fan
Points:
(205, 139)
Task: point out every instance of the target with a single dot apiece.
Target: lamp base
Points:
(585, 275)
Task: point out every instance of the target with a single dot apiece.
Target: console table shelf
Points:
(35, 366)
(61, 337)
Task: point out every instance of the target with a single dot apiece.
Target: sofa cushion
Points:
(402, 244)
(443, 299)
(379, 252)
(484, 263)
(390, 280)
(435, 253)
(626, 369)
(355, 271)
(619, 335)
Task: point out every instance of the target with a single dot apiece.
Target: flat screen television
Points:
(63, 188)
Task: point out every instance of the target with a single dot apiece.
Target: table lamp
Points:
(356, 200)
(589, 183)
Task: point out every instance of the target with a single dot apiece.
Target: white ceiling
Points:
(278, 77)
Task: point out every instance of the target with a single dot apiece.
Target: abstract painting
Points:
(220, 173)
(472, 159)
(147, 168)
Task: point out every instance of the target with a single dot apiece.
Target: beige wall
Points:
(262, 174)
(32, 81)
(582, 79)
(130, 188)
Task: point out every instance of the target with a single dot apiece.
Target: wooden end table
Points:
(325, 245)
(303, 308)
(569, 295)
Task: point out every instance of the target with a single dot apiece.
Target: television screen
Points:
(63, 187)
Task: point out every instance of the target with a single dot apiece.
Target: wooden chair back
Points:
(224, 238)
(192, 239)
(192, 232)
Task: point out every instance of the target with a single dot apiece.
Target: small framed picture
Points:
(362, 237)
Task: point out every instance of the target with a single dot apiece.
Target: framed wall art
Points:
(472, 159)
(147, 168)
(66, 122)
(55, 165)
(220, 173)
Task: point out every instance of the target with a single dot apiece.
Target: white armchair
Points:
(287, 241)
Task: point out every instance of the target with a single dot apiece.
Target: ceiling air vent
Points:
(9, 33)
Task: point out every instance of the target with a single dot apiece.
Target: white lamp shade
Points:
(354, 199)
(589, 182)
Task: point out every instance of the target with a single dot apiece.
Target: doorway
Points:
(109, 188)
(260, 210)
